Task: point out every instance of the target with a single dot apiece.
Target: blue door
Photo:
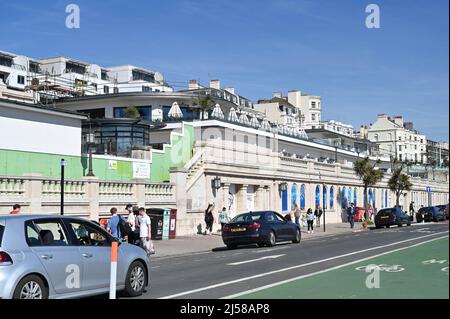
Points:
(284, 201)
(302, 197)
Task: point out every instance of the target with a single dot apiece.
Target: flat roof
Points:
(41, 109)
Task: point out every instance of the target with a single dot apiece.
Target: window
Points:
(145, 88)
(89, 236)
(94, 113)
(400, 148)
(20, 79)
(141, 76)
(415, 147)
(116, 90)
(45, 233)
(399, 138)
(313, 104)
(400, 157)
(247, 217)
(106, 89)
(313, 117)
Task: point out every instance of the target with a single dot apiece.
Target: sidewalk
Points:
(198, 244)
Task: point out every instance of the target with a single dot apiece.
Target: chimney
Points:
(193, 85)
(214, 84)
(277, 94)
(382, 115)
(294, 97)
(398, 119)
(409, 126)
(231, 90)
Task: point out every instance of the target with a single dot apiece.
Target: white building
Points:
(398, 139)
(338, 127)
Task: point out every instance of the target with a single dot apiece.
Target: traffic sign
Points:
(428, 189)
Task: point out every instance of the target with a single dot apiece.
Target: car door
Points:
(48, 239)
(275, 224)
(286, 229)
(94, 249)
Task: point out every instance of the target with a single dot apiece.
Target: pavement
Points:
(198, 244)
(321, 266)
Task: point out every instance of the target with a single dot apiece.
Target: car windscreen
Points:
(426, 210)
(2, 230)
(247, 217)
(385, 212)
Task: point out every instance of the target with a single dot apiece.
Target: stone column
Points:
(241, 204)
(225, 192)
(259, 198)
(33, 190)
(92, 194)
(183, 224)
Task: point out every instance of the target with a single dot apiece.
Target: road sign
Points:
(428, 189)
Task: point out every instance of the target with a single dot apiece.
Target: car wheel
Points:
(400, 225)
(31, 287)
(136, 279)
(409, 224)
(231, 246)
(388, 226)
(271, 240)
(377, 226)
(297, 237)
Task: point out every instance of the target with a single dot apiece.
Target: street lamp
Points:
(216, 183)
(283, 187)
(62, 163)
(323, 186)
(90, 138)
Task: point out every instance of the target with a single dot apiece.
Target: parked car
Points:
(428, 214)
(444, 208)
(391, 216)
(262, 228)
(64, 257)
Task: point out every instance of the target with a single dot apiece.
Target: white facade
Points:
(395, 140)
(310, 108)
(338, 127)
(34, 129)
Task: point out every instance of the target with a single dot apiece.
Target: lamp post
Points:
(90, 140)
(62, 163)
(323, 203)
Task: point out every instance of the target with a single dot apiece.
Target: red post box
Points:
(173, 224)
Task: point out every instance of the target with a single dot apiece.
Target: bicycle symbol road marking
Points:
(382, 267)
(434, 261)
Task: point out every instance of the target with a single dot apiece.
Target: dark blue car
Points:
(391, 216)
(429, 214)
(264, 228)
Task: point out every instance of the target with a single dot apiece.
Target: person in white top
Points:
(145, 231)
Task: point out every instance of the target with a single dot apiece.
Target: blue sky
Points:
(321, 47)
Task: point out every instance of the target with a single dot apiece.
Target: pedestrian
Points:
(318, 214)
(145, 232)
(131, 220)
(370, 212)
(16, 209)
(223, 217)
(113, 224)
(209, 219)
(411, 208)
(310, 220)
(297, 214)
(351, 215)
(303, 218)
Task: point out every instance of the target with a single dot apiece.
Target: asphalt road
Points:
(224, 273)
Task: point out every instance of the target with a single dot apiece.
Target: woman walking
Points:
(209, 219)
(310, 220)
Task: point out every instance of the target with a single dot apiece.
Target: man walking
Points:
(318, 214)
(145, 231)
(411, 208)
(113, 224)
(351, 215)
(16, 210)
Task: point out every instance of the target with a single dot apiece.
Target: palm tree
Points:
(370, 176)
(398, 183)
(206, 103)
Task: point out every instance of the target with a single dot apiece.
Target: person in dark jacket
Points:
(351, 215)
(318, 214)
(209, 219)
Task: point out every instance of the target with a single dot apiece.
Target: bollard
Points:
(113, 279)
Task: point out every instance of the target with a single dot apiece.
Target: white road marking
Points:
(327, 270)
(253, 260)
(189, 292)
(270, 249)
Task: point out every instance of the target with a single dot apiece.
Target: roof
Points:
(276, 100)
(41, 108)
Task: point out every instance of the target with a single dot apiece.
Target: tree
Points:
(131, 112)
(206, 103)
(370, 176)
(398, 183)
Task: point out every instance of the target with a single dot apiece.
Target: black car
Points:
(429, 214)
(391, 216)
(262, 228)
(444, 208)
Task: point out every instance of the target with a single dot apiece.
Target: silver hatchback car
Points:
(51, 256)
